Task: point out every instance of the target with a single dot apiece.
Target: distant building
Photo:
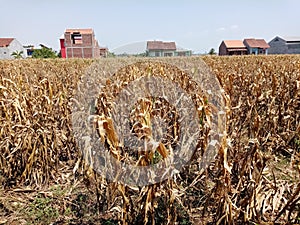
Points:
(285, 45)
(165, 49)
(256, 46)
(232, 47)
(29, 50)
(9, 46)
(246, 47)
(103, 52)
(79, 43)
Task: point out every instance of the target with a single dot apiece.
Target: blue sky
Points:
(196, 25)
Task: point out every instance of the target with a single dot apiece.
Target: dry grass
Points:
(254, 179)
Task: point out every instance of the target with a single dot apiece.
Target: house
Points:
(256, 46)
(103, 52)
(10, 45)
(29, 50)
(79, 43)
(182, 52)
(232, 47)
(165, 49)
(285, 45)
(160, 49)
(247, 47)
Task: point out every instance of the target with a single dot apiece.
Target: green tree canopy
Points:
(44, 52)
(212, 52)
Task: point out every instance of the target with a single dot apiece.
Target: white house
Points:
(10, 45)
(163, 49)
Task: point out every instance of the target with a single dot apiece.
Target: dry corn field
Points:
(254, 178)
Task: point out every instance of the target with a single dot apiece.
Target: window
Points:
(168, 54)
(76, 38)
(293, 46)
(182, 54)
(157, 54)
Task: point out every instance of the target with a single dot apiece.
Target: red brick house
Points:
(79, 43)
(232, 47)
(247, 47)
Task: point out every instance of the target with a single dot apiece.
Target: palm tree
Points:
(17, 54)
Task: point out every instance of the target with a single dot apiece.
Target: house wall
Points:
(160, 53)
(62, 48)
(168, 53)
(223, 49)
(5, 53)
(103, 52)
(252, 51)
(293, 48)
(151, 53)
(80, 52)
(278, 46)
(237, 52)
(88, 48)
(183, 53)
(87, 40)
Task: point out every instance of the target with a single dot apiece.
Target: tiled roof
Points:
(256, 43)
(234, 44)
(159, 45)
(82, 31)
(4, 42)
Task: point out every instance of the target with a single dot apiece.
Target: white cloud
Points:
(234, 27)
(229, 28)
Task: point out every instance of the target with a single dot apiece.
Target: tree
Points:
(44, 52)
(17, 54)
(111, 54)
(212, 52)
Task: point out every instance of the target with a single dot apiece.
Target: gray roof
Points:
(291, 38)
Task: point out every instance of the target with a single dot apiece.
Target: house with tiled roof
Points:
(256, 46)
(10, 45)
(79, 43)
(165, 49)
(247, 47)
(284, 45)
(232, 47)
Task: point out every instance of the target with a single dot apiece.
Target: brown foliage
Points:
(263, 131)
(254, 179)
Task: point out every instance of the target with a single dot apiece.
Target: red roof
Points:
(159, 45)
(4, 42)
(234, 44)
(256, 43)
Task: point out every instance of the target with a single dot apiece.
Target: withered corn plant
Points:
(164, 201)
(264, 130)
(35, 134)
(254, 178)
